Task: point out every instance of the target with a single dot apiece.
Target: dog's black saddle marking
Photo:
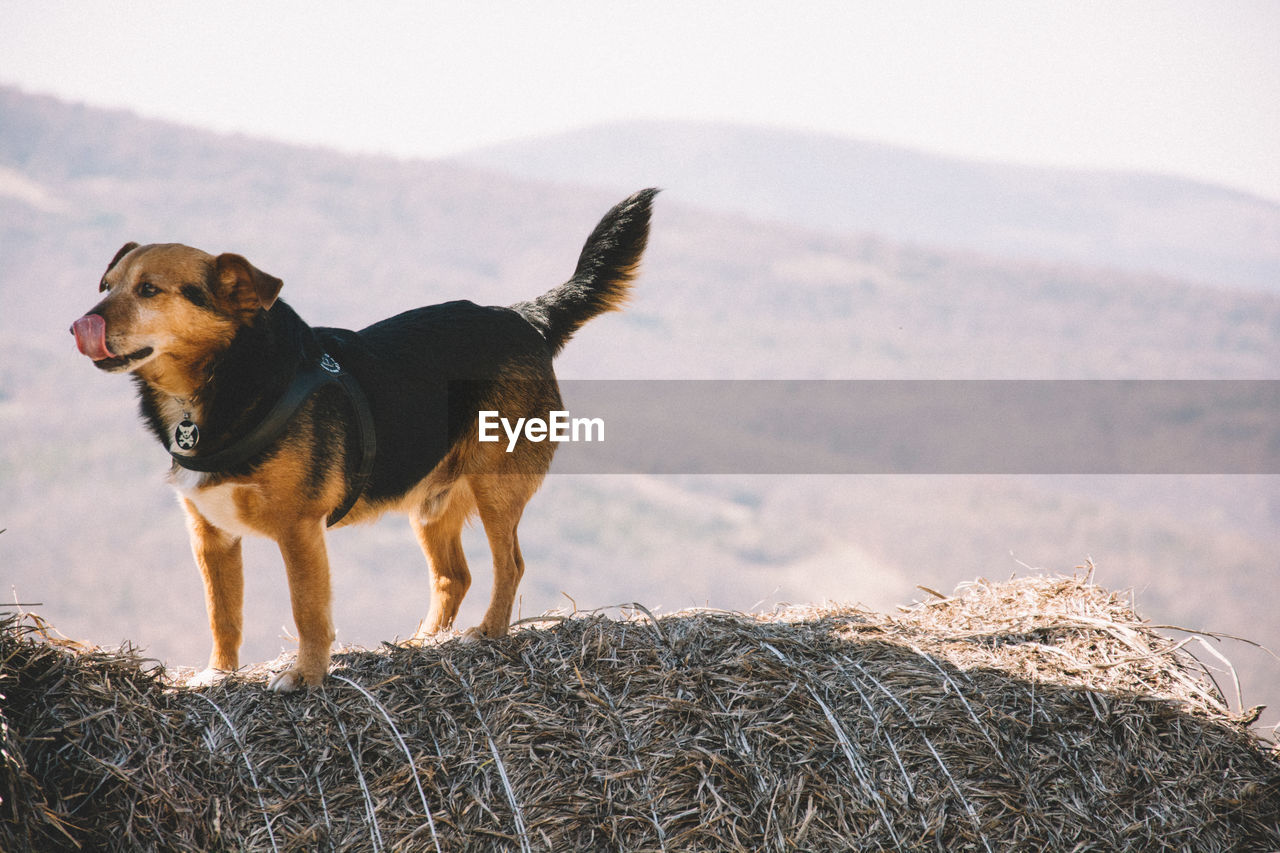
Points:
(308, 380)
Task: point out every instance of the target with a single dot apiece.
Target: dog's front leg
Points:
(307, 564)
(218, 557)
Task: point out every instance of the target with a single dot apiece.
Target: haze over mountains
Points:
(773, 256)
(1139, 222)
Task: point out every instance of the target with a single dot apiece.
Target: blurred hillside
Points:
(1139, 222)
(729, 290)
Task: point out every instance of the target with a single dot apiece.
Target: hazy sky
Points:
(1190, 88)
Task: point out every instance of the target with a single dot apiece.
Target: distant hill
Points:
(95, 534)
(1144, 223)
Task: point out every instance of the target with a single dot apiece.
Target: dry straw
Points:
(1038, 714)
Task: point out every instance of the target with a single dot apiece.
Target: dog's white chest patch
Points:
(216, 503)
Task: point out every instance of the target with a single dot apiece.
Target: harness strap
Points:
(310, 379)
(368, 446)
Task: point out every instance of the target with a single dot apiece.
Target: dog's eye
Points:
(147, 290)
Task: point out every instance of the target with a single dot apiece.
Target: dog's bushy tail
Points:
(603, 276)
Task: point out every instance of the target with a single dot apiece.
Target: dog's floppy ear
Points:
(244, 287)
(124, 250)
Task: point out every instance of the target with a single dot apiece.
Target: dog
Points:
(279, 429)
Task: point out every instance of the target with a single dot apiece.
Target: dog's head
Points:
(170, 307)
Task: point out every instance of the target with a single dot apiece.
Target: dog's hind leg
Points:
(501, 499)
(219, 559)
(441, 541)
(438, 525)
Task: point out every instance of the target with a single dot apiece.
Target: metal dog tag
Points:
(187, 435)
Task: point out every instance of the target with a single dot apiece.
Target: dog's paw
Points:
(207, 678)
(475, 635)
(423, 639)
(431, 632)
(287, 681)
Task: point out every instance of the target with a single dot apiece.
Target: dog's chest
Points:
(216, 503)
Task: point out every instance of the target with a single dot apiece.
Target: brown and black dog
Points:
(277, 428)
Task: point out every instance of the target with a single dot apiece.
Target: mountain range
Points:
(1145, 223)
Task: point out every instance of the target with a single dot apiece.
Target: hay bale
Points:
(1034, 714)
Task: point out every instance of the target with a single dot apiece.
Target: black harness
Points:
(308, 380)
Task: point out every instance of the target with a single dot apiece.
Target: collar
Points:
(309, 379)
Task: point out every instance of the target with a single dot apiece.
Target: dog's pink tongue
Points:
(91, 336)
